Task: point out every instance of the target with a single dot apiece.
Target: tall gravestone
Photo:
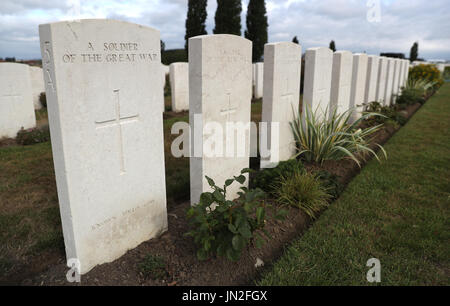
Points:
(179, 85)
(281, 101)
(104, 92)
(16, 102)
(341, 82)
(389, 81)
(372, 78)
(317, 83)
(395, 82)
(381, 83)
(259, 80)
(220, 82)
(357, 93)
(406, 71)
(401, 75)
(37, 85)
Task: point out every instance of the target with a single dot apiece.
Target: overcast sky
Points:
(315, 22)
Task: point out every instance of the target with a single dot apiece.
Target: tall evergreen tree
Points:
(195, 20)
(295, 40)
(257, 27)
(333, 46)
(414, 54)
(228, 17)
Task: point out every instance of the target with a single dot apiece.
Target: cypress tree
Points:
(195, 20)
(257, 27)
(228, 17)
(295, 40)
(414, 52)
(333, 46)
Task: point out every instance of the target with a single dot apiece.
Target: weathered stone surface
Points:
(259, 80)
(317, 84)
(220, 82)
(281, 101)
(373, 62)
(16, 102)
(104, 93)
(381, 83)
(357, 92)
(341, 82)
(37, 85)
(389, 82)
(179, 85)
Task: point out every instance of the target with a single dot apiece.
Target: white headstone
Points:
(179, 85)
(37, 85)
(395, 82)
(317, 83)
(373, 62)
(341, 82)
(259, 80)
(281, 101)
(104, 92)
(401, 75)
(220, 82)
(389, 82)
(358, 90)
(407, 72)
(382, 75)
(16, 102)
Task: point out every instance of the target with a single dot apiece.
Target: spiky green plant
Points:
(319, 139)
(303, 190)
(422, 85)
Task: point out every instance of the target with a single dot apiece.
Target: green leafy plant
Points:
(331, 182)
(33, 136)
(319, 139)
(43, 99)
(267, 179)
(389, 112)
(426, 73)
(153, 267)
(411, 96)
(305, 191)
(446, 73)
(223, 227)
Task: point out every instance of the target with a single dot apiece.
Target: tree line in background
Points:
(228, 21)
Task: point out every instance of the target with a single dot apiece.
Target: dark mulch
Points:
(178, 251)
(7, 142)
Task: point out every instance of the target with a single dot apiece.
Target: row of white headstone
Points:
(179, 80)
(20, 88)
(104, 91)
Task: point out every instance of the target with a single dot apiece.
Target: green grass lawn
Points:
(397, 212)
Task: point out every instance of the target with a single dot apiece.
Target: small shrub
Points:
(304, 191)
(318, 140)
(410, 96)
(391, 114)
(267, 179)
(224, 228)
(43, 99)
(446, 74)
(331, 182)
(33, 136)
(428, 73)
(153, 267)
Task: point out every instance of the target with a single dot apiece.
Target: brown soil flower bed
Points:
(179, 252)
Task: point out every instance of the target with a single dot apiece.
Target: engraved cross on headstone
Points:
(118, 121)
(229, 109)
(287, 96)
